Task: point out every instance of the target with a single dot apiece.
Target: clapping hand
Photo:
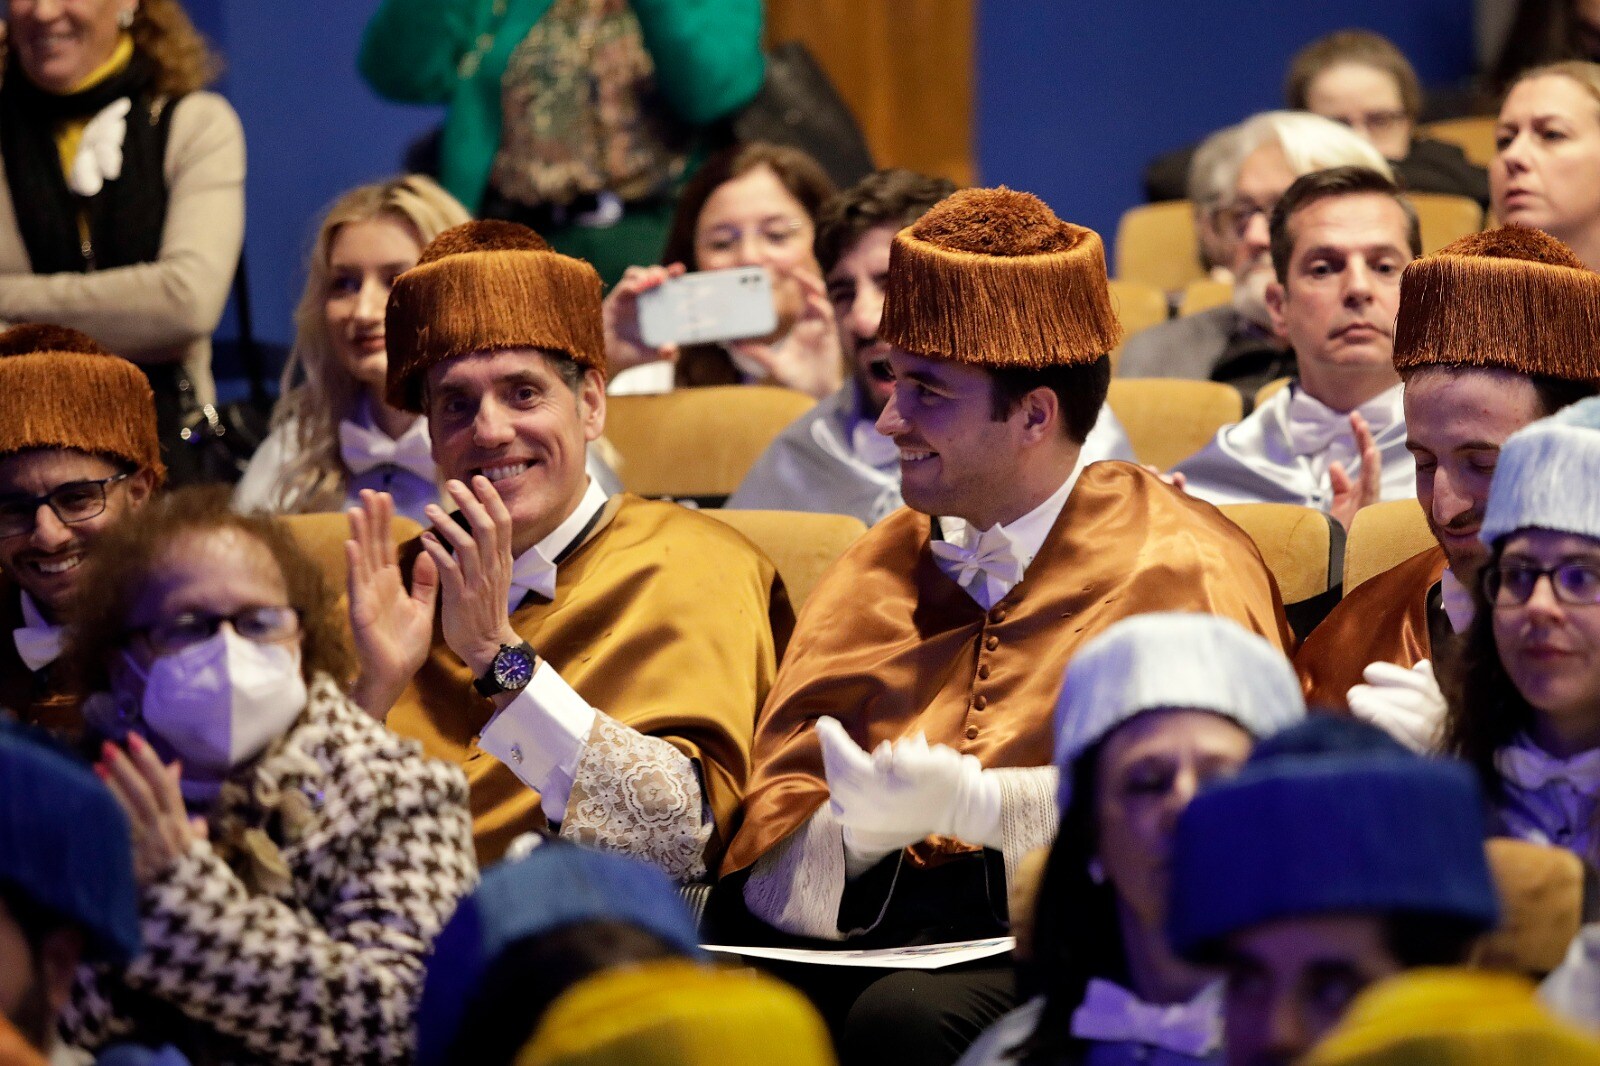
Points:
(392, 628)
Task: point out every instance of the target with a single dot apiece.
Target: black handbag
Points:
(798, 106)
(216, 441)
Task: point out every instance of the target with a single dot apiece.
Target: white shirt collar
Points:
(38, 641)
(535, 569)
(1027, 533)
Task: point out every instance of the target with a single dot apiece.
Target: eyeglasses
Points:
(76, 501)
(1574, 584)
(260, 625)
(1238, 215)
(1373, 123)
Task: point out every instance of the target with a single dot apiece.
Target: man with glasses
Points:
(1237, 343)
(833, 459)
(1474, 373)
(1334, 439)
(78, 451)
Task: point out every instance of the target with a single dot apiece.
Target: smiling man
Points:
(1335, 439)
(943, 633)
(1493, 331)
(597, 662)
(833, 458)
(78, 451)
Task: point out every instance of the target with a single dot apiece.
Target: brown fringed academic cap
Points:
(1511, 298)
(88, 402)
(46, 337)
(993, 278)
(486, 285)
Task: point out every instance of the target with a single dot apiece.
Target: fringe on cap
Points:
(991, 277)
(488, 285)
(1511, 298)
(99, 404)
(47, 337)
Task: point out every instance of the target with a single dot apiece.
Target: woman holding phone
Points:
(750, 205)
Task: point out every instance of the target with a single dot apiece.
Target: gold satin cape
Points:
(890, 646)
(1384, 619)
(666, 620)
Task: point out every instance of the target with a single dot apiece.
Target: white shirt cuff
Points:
(540, 736)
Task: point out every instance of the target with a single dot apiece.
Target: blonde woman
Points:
(332, 434)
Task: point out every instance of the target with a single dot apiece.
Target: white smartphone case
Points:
(708, 306)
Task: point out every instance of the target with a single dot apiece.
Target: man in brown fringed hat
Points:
(78, 450)
(1494, 331)
(597, 661)
(952, 620)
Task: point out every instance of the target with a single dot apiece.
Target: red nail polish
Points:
(108, 750)
(136, 742)
(101, 771)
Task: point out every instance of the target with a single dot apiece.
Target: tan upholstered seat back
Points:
(1383, 535)
(1444, 218)
(801, 545)
(1168, 419)
(697, 442)
(1156, 245)
(1299, 544)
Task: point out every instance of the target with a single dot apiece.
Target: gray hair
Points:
(1309, 143)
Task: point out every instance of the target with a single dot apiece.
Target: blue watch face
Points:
(513, 669)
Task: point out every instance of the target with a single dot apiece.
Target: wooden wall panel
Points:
(904, 66)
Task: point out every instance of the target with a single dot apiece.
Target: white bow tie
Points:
(364, 449)
(99, 156)
(1315, 427)
(531, 572)
(988, 569)
(1532, 769)
(38, 642)
(1111, 1014)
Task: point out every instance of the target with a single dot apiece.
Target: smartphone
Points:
(708, 306)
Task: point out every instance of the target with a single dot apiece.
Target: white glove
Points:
(906, 791)
(1406, 704)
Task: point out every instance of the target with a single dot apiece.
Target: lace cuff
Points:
(639, 794)
(1028, 812)
(798, 886)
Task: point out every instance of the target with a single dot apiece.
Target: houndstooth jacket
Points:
(298, 934)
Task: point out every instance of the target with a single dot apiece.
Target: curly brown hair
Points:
(120, 561)
(184, 61)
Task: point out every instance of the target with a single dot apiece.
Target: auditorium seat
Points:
(1445, 218)
(1383, 535)
(1267, 391)
(1474, 136)
(1204, 294)
(697, 443)
(1138, 305)
(1169, 419)
(1303, 547)
(800, 544)
(1155, 244)
(321, 537)
(1541, 891)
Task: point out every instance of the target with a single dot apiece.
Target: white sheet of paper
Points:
(920, 957)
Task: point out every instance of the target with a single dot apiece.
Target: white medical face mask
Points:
(218, 704)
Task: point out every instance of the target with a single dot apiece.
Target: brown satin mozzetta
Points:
(891, 646)
(664, 620)
(1384, 619)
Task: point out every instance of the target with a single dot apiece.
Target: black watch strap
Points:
(510, 670)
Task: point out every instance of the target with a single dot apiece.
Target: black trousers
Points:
(883, 1017)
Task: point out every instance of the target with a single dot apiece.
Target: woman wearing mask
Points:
(1526, 710)
(1546, 169)
(1150, 711)
(122, 208)
(754, 205)
(296, 859)
(333, 435)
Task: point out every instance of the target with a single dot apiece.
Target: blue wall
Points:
(1073, 97)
